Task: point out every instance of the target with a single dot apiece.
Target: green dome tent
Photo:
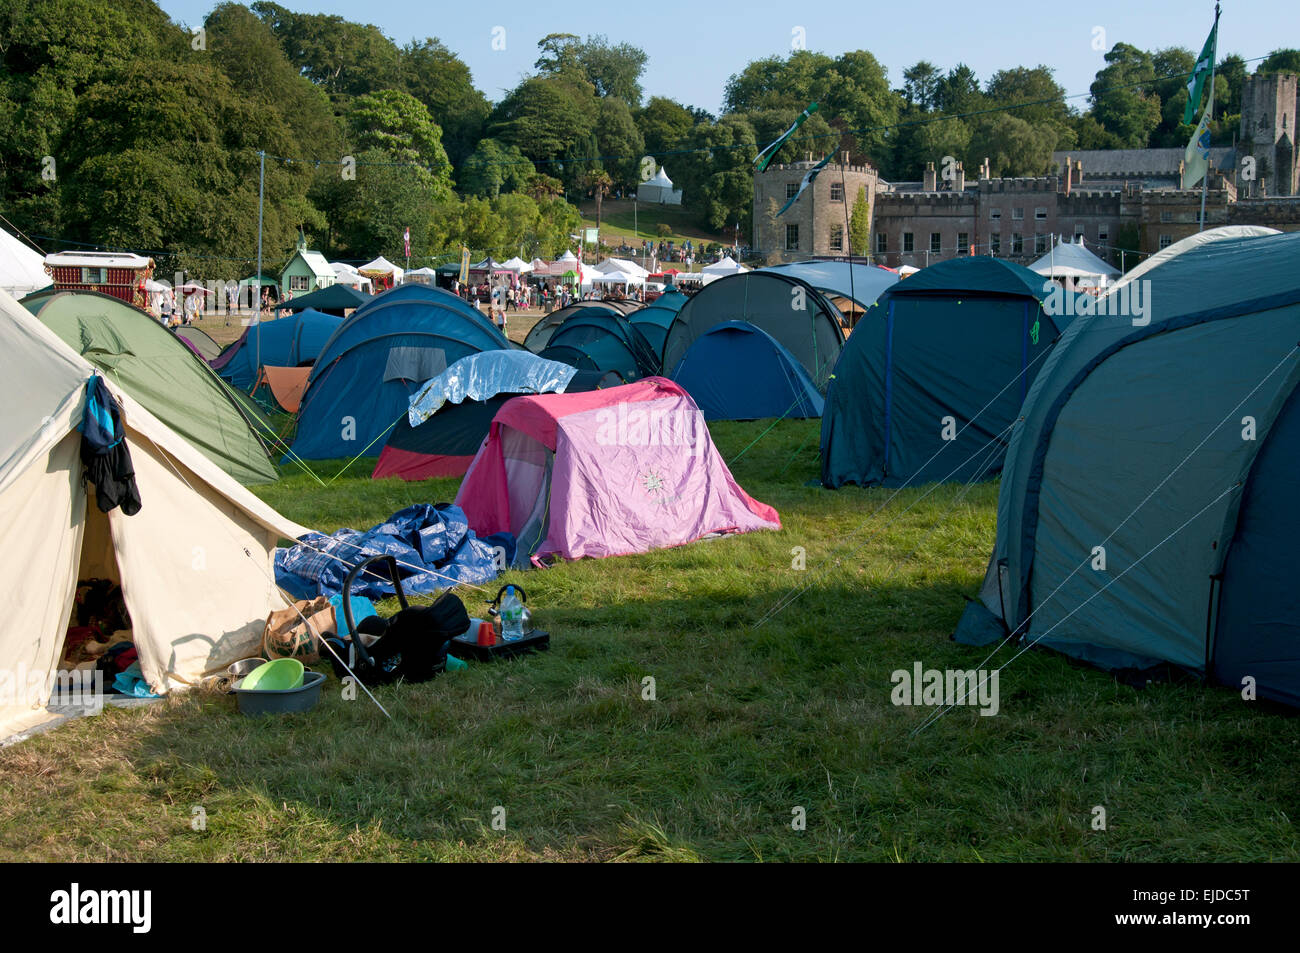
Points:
(158, 369)
(934, 374)
(1149, 503)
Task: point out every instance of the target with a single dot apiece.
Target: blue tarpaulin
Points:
(433, 545)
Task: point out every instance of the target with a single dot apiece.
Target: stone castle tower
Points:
(1268, 133)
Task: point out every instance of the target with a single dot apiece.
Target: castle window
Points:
(1017, 243)
(791, 190)
(908, 242)
(837, 237)
(1166, 241)
(1040, 244)
(963, 243)
(792, 238)
(1078, 232)
(1017, 215)
(1103, 233)
(1166, 217)
(936, 243)
(837, 191)
(995, 214)
(995, 243)
(1040, 214)
(882, 243)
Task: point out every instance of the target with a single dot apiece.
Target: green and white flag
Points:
(1196, 160)
(764, 157)
(1204, 66)
(807, 181)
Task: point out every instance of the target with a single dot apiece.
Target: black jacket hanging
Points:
(104, 452)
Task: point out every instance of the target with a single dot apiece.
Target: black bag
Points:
(411, 645)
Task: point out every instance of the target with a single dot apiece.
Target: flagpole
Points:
(848, 236)
(1214, 55)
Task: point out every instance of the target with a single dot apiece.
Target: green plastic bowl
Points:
(278, 675)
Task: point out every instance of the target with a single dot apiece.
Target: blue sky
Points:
(694, 47)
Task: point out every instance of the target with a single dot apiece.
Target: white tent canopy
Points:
(22, 270)
(659, 189)
(617, 278)
(347, 274)
(622, 266)
(195, 563)
(568, 256)
(1073, 260)
(720, 269)
(517, 264)
(860, 283)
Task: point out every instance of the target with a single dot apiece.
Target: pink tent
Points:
(605, 473)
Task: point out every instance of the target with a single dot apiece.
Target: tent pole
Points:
(257, 294)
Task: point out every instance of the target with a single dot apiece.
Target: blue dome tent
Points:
(739, 372)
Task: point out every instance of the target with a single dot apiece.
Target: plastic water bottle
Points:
(512, 616)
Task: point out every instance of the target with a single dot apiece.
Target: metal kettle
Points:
(494, 611)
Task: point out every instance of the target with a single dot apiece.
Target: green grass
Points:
(617, 221)
(748, 723)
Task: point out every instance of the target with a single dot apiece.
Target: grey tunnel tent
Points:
(792, 311)
(1167, 448)
(934, 374)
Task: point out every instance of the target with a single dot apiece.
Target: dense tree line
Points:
(121, 128)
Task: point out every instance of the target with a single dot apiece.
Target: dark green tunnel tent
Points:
(934, 374)
(1168, 447)
(653, 322)
(539, 335)
(593, 340)
(792, 311)
(159, 370)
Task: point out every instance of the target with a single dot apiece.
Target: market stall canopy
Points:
(332, 300)
(350, 275)
(517, 264)
(381, 266)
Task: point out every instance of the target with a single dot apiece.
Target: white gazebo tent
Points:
(621, 266)
(422, 276)
(1074, 263)
(517, 265)
(721, 269)
(659, 190)
(22, 270)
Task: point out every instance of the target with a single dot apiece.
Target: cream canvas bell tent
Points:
(194, 564)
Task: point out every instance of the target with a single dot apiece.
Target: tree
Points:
(544, 117)
(1281, 61)
(718, 179)
(860, 224)
(664, 123)
(1123, 98)
(344, 58)
(619, 141)
(398, 125)
(1013, 146)
(439, 79)
(921, 84)
(600, 183)
(614, 70)
(559, 55)
(959, 91)
(493, 169)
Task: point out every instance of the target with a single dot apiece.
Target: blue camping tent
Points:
(595, 340)
(1150, 502)
(739, 372)
(934, 374)
(294, 340)
(366, 373)
(653, 322)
